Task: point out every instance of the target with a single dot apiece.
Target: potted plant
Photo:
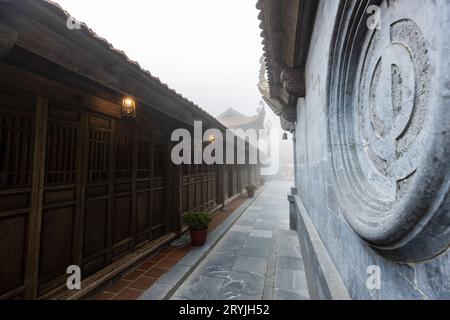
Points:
(251, 188)
(198, 223)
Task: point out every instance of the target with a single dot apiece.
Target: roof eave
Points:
(286, 41)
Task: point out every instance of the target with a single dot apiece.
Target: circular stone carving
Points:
(389, 125)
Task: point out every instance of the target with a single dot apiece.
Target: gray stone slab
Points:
(236, 236)
(251, 265)
(258, 252)
(216, 265)
(242, 266)
(246, 222)
(290, 263)
(262, 234)
(157, 292)
(184, 240)
(288, 250)
(242, 286)
(258, 242)
(242, 228)
(199, 287)
(283, 225)
(288, 295)
(264, 225)
(229, 246)
(291, 280)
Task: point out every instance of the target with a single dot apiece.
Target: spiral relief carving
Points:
(386, 110)
(392, 106)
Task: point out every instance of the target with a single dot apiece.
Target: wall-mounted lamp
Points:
(285, 136)
(128, 108)
(212, 139)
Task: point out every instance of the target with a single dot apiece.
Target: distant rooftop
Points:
(233, 119)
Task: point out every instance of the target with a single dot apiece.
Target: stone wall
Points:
(343, 173)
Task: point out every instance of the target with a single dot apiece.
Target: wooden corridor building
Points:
(79, 184)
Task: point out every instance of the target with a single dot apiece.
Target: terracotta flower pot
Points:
(251, 194)
(198, 237)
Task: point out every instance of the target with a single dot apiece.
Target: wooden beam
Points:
(35, 219)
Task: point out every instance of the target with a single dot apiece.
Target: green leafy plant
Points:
(250, 188)
(197, 220)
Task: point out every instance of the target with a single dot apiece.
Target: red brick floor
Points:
(141, 278)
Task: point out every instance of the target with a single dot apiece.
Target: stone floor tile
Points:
(258, 252)
(262, 234)
(291, 280)
(288, 295)
(258, 242)
(200, 288)
(290, 263)
(217, 266)
(242, 286)
(251, 265)
(157, 292)
(264, 256)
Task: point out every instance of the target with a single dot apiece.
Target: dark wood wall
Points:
(76, 187)
(79, 186)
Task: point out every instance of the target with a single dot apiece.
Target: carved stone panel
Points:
(389, 124)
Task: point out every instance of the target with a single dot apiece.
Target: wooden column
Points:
(35, 219)
(134, 176)
(178, 189)
(81, 189)
(220, 185)
(171, 190)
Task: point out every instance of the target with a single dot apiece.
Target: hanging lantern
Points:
(285, 136)
(128, 108)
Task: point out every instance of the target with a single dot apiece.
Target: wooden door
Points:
(17, 131)
(61, 199)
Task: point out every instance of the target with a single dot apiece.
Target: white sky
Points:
(207, 50)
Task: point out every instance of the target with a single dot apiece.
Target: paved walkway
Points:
(140, 279)
(259, 258)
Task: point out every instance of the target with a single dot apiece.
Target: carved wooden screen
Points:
(76, 188)
(17, 122)
(61, 196)
(199, 187)
(97, 211)
(123, 190)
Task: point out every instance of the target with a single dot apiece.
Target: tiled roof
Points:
(57, 9)
(267, 56)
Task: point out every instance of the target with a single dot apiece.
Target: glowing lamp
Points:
(128, 108)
